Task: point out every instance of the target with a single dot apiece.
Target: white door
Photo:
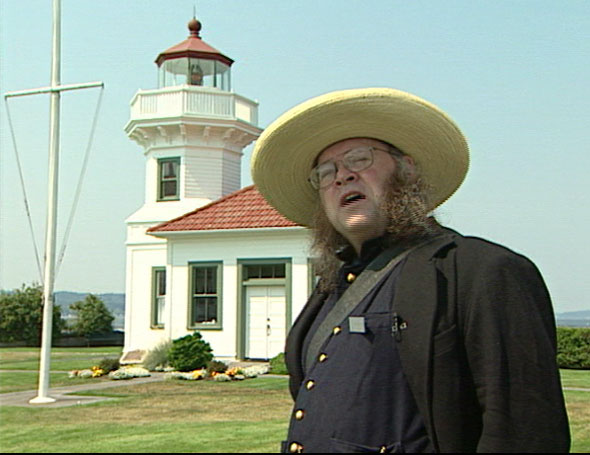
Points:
(265, 321)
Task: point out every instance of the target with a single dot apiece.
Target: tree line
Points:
(21, 317)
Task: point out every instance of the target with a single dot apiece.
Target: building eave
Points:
(172, 234)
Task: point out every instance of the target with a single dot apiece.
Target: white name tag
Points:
(356, 324)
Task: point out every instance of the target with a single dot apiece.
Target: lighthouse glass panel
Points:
(197, 72)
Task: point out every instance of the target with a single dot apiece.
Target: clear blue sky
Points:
(515, 75)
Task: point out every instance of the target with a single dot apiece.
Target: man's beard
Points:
(405, 204)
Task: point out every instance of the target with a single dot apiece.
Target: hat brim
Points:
(285, 152)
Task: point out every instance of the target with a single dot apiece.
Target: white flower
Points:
(136, 372)
(85, 374)
(120, 374)
(255, 370)
(222, 377)
(188, 376)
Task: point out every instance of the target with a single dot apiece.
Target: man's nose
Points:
(344, 175)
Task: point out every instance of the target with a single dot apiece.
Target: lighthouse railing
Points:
(186, 100)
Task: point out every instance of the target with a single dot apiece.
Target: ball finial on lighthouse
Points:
(194, 27)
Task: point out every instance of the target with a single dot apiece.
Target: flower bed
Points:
(230, 374)
(121, 373)
(219, 373)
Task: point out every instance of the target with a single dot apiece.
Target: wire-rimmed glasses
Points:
(355, 160)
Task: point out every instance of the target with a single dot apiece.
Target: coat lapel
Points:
(415, 303)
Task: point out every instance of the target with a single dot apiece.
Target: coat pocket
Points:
(445, 341)
(341, 446)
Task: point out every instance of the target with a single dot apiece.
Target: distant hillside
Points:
(573, 319)
(574, 315)
(114, 302)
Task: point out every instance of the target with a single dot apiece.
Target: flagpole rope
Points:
(80, 181)
(24, 190)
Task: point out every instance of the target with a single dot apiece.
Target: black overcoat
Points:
(478, 347)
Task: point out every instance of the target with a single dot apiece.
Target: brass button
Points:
(295, 448)
(310, 385)
(336, 330)
(350, 277)
(299, 414)
(322, 357)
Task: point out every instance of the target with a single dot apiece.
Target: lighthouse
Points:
(192, 130)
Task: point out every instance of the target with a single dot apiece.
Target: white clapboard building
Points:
(203, 254)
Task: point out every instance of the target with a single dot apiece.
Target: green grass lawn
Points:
(62, 359)
(20, 381)
(575, 378)
(176, 416)
(168, 416)
(578, 409)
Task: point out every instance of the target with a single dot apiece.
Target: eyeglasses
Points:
(355, 160)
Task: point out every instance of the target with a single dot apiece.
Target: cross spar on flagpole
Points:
(50, 233)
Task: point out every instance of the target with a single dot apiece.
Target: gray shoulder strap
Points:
(376, 270)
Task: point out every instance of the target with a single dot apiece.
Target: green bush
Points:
(109, 364)
(92, 316)
(21, 316)
(189, 353)
(158, 356)
(573, 347)
(277, 364)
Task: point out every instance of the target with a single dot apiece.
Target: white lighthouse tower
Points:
(193, 130)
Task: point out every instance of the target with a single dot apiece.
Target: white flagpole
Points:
(50, 233)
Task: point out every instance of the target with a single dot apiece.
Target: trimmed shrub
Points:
(109, 364)
(277, 364)
(190, 353)
(215, 366)
(158, 356)
(573, 347)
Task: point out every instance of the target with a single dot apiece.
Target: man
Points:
(416, 338)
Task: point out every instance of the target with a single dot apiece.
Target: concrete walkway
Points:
(65, 396)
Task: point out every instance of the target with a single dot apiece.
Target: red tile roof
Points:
(243, 209)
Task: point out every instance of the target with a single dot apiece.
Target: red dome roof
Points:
(193, 46)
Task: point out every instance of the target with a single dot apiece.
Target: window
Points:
(158, 296)
(205, 296)
(264, 271)
(168, 179)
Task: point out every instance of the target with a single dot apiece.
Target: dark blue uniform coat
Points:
(478, 347)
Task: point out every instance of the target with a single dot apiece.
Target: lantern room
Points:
(194, 62)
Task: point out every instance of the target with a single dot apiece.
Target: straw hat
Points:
(286, 150)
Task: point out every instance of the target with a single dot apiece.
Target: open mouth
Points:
(351, 198)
